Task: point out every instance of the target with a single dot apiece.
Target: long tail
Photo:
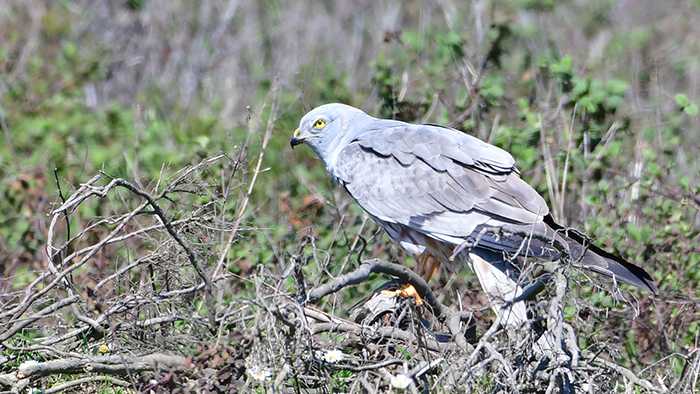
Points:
(601, 261)
(581, 250)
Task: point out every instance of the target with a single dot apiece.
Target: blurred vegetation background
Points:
(596, 100)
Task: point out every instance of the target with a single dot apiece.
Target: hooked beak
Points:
(295, 139)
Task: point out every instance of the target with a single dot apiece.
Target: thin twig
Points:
(99, 378)
(276, 97)
(203, 273)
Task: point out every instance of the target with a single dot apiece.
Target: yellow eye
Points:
(320, 124)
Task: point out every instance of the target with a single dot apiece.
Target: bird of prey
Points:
(440, 191)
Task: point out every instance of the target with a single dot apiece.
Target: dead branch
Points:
(21, 324)
(377, 334)
(194, 260)
(110, 365)
(149, 274)
(440, 311)
(368, 267)
(78, 382)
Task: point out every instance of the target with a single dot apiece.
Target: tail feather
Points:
(582, 252)
(601, 261)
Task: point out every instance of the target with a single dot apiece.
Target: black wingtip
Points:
(630, 274)
(627, 273)
(614, 266)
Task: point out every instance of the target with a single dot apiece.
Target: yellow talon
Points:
(407, 291)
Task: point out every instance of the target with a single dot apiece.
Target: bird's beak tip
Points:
(295, 139)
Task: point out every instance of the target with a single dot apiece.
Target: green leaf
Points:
(523, 103)
(597, 86)
(70, 50)
(453, 38)
(649, 154)
(569, 312)
(413, 39)
(451, 43)
(612, 102)
(682, 100)
(566, 62)
(598, 96)
(653, 168)
(585, 102)
(580, 87)
(691, 109)
(616, 86)
(564, 66)
(203, 141)
(615, 148)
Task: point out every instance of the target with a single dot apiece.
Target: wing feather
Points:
(444, 184)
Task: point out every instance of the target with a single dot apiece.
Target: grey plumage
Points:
(434, 188)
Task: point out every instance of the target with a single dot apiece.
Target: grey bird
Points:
(438, 190)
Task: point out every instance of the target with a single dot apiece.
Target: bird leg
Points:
(433, 265)
(406, 292)
(409, 290)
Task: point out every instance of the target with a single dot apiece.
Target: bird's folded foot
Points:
(407, 291)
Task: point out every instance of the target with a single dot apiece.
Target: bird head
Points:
(328, 128)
